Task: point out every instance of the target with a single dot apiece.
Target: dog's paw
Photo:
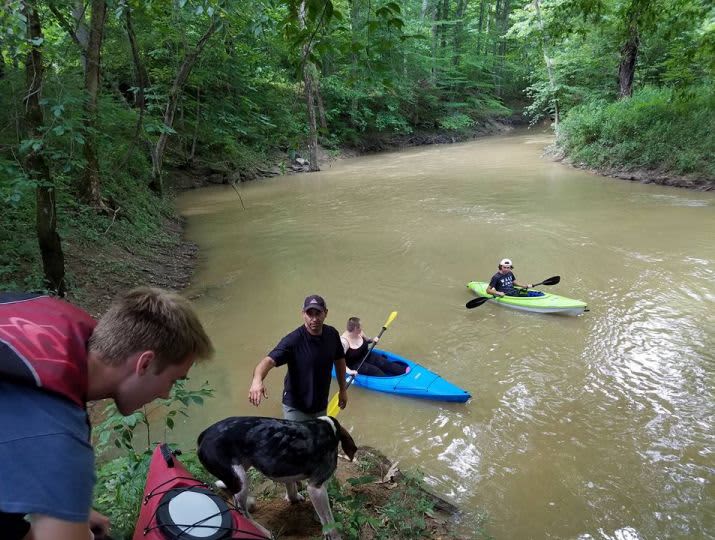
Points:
(219, 484)
(295, 499)
(250, 504)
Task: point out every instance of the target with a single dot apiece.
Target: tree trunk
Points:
(53, 261)
(89, 189)
(308, 85)
(444, 18)
(141, 82)
(500, 45)
(435, 42)
(480, 26)
(81, 32)
(459, 30)
(356, 26)
(506, 9)
(142, 78)
(319, 103)
(174, 93)
(627, 67)
(192, 152)
(312, 123)
(423, 10)
(549, 64)
(90, 45)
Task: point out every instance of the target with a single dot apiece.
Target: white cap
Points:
(505, 262)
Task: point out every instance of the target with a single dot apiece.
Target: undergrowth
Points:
(656, 129)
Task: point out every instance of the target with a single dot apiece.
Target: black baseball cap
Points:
(314, 302)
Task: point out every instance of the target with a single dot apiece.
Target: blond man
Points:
(54, 358)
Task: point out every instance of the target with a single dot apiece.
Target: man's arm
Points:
(340, 375)
(493, 291)
(492, 287)
(257, 391)
(49, 528)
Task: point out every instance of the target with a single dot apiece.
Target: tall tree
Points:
(89, 41)
(548, 61)
(309, 85)
(53, 262)
(91, 178)
(636, 14)
(141, 80)
(177, 86)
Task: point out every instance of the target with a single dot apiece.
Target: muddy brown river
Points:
(599, 426)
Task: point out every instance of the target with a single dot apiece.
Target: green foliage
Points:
(657, 129)
(119, 491)
(402, 516)
(121, 431)
(456, 122)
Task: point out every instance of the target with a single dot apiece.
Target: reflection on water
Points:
(598, 426)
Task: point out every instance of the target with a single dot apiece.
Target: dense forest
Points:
(101, 100)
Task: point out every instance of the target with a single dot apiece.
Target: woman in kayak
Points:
(355, 345)
(504, 282)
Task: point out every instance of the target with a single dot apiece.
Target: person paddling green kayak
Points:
(504, 282)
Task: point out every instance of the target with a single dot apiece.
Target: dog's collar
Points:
(331, 422)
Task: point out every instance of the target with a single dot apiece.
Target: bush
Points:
(656, 129)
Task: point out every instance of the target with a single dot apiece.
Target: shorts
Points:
(291, 413)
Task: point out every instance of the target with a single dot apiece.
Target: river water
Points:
(596, 426)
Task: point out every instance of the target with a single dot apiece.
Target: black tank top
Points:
(353, 357)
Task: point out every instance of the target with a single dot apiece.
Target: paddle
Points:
(476, 302)
(550, 281)
(333, 407)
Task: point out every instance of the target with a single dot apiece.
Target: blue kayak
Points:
(420, 382)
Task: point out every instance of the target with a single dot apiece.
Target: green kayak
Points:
(548, 303)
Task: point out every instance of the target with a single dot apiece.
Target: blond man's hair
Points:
(152, 319)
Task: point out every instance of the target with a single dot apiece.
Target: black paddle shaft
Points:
(369, 350)
(550, 281)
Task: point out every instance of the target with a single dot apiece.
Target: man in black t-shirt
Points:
(504, 283)
(310, 351)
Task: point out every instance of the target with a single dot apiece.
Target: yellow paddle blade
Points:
(333, 408)
(389, 320)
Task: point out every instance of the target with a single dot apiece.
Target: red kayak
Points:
(176, 506)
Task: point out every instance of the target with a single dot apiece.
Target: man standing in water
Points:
(504, 283)
(54, 358)
(310, 351)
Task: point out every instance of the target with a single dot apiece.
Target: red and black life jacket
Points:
(43, 343)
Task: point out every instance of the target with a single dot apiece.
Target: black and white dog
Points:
(283, 450)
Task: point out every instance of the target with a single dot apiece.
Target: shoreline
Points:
(642, 176)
